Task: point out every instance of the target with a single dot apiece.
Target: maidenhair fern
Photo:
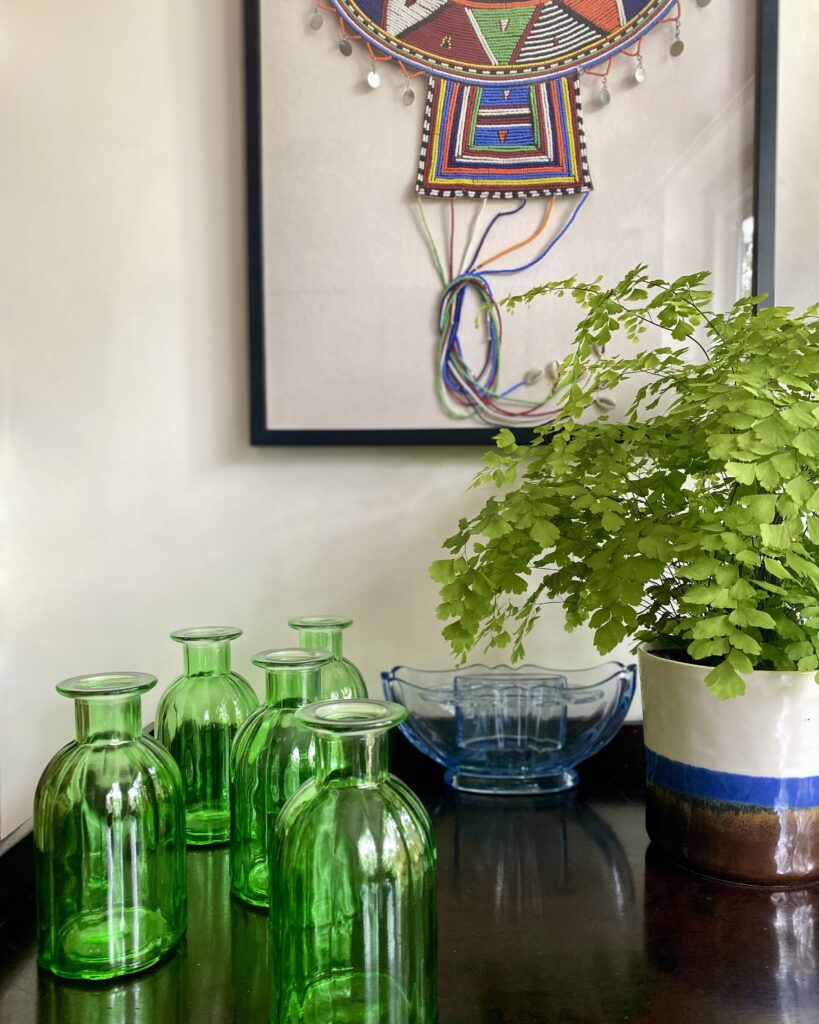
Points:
(692, 523)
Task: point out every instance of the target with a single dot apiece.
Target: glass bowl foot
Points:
(505, 785)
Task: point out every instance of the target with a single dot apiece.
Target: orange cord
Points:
(520, 245)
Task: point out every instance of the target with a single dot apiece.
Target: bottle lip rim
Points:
(205, 634)
(352, 716)
(107, 684)
(292, 657)
(317, 622)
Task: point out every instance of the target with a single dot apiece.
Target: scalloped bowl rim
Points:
(617, 669)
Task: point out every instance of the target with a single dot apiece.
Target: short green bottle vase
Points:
(353, 920)
(197, 720)
(340, 679)
(109, 839)
(272, 756)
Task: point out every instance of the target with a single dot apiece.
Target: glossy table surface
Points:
(551, 911)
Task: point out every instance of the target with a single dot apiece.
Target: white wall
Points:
(131, 502)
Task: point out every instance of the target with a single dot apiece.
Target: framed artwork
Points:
(409, 164)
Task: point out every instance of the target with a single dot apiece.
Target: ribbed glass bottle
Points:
(109, 838)
(272, 756)
(197, 719)
(340, 679)
(353, 926)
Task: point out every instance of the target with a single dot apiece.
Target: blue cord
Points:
(484, 382)
(549, 247)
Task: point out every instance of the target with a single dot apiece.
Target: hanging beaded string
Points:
(463, 392)
(605, 95)
(678, 45)
(637, 55)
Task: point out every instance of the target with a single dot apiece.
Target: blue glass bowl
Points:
(512, 730)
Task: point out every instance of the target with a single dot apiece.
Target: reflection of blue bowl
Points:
(512, 730)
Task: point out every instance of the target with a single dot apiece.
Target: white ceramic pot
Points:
(733, 786)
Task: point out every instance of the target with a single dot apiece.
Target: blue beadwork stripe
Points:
(753, 790)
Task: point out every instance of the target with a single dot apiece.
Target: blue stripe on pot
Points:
(757, 791)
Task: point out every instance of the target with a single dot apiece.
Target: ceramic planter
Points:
(733, 786)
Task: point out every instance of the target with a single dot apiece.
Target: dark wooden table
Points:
(552, 911)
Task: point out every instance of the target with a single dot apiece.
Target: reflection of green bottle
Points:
(353, 888)
(109, 837)
(340, 679)
(272, 756)
(197, 719)
(148, 998)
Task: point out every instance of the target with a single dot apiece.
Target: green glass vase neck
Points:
(112, 719)
(207, 659)
(352, 759)
(292, 687)
(322, 640)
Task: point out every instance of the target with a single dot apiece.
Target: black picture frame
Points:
(262, 434)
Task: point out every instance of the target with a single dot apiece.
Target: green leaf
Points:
(544, 533)
(714, 625)
(786, 464)
(701, 569)
(740, 662)
(443, 571)
(743, 472)
(775, 569)
(807, 442)
(801, 649)
(715, 596)
(813, 529)
(495, 527)
(767, 474)
(807, 664)
(724, 682)
(609, 636)
(776, 535)
(702, 649)
(611, 521)
(505, 439)
(743, 591)
(760, 619)
(761, 506)
(743, 642)
(773, 431)
(653, 547)
(800, 490)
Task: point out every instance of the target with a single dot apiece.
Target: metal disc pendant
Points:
(639, 74)
(345, 47)
(409, 98)
(677, 47)
(605, 96)
(703, 3)
(373, 79)
(316, 21)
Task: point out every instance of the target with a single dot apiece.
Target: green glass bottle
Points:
(197, 719)
(340, 679)
(353, 926)
(272, 756)
(109, 838)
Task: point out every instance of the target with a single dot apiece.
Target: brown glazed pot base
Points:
(734, 841)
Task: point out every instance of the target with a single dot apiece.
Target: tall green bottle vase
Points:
(272, 756)
(353, 918)
(109, 839)
(197, 720)
(340, 679)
